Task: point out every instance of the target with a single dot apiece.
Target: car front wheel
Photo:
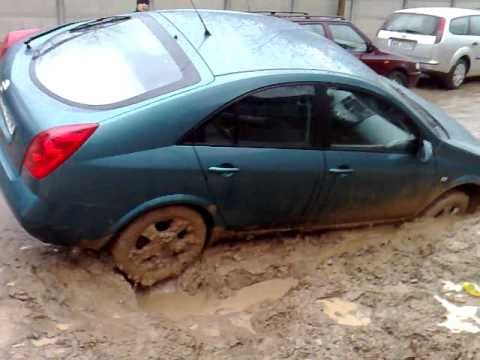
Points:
(451, 203)
(160, 244)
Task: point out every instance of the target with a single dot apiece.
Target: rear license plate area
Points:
(402, 44)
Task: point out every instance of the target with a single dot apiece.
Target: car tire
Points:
(399, 77)
(160, 244)
(456, 77)
(452, 203)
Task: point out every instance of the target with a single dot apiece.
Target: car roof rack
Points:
(316, 17)
(281, 13)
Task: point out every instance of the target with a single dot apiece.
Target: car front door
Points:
(258, 160)
(373, 169)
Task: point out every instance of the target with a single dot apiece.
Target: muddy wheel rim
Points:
(459, 74)
(167, 244)
(450, 210)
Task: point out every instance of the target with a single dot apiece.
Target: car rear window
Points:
(412, 24)
(110, 65)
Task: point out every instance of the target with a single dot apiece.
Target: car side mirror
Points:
(425, 151)
(370, 47)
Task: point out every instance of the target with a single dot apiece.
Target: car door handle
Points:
(475, 44)
(226, 171)
(341, 171)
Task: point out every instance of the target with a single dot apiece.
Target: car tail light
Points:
(440, 30)
(51, 148)
(3, 46)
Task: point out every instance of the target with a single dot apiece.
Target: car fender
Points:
(167, 200)
(456, 183)
(461, 52)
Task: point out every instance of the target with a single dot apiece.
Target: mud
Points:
(389, 292)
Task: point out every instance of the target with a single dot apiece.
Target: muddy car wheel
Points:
(160, 244)
(399, 77)
(452, 203)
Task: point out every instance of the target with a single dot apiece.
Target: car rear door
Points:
(474, 44)
(372, 168)
(257, 157)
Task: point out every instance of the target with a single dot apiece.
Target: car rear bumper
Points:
(25, 205)
(45, 221)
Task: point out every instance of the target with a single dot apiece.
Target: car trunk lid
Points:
(413, 35)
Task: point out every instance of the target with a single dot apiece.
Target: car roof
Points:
(242, 42)
(446, 12)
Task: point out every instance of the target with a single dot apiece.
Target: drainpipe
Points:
(404, 4)
(292, 5)
(350, 14)
(61, 13)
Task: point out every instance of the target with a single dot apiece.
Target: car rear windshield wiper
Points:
(100, 22)
(35, 37)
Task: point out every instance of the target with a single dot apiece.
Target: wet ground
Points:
(379, 293)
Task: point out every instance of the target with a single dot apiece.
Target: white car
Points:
(446, 41)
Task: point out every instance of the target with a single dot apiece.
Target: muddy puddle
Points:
(177, 305)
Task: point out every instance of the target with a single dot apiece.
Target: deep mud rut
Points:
(375, 293)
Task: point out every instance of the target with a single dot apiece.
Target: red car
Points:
(14, 37)
(400, 69)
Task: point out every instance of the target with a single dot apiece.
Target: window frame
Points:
(419, 132)
(190, 137)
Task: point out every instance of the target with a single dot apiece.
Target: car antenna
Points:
(207, 32)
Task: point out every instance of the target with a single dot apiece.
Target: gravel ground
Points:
(376, 293)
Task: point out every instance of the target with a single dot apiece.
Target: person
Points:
(142, 5)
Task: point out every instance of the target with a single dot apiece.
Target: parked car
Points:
(401, 69)
(129, 132)
(445, 40)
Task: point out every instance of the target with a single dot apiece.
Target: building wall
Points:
(367, 14)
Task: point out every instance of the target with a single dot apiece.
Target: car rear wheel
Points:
(451, 203)
(399, 77)
(160, 244)
(456, 77)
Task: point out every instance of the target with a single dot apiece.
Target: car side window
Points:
(348, 38)
(360, 120)
(279, 117)
(316, 28)
(475, 25)
(459, 26)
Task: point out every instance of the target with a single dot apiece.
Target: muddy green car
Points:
(152, 135)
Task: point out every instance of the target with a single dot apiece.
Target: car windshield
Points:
(412, 24)
(428, 119)
(112, 63)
